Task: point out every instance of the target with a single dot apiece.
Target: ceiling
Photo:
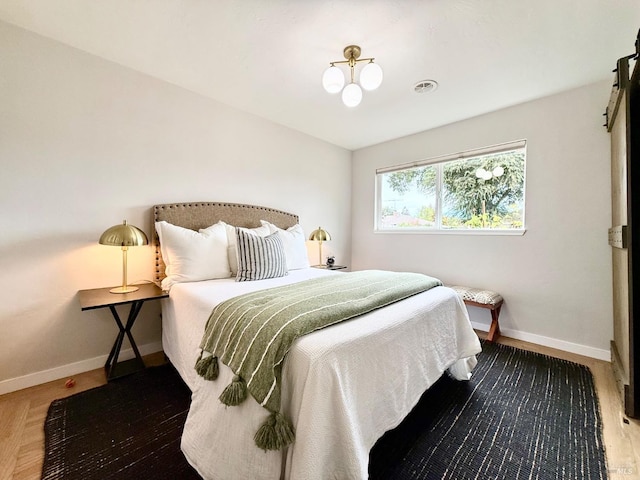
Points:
(267, 57)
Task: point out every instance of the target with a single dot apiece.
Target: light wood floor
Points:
(22, 416)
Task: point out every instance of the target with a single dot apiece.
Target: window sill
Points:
(452, 232)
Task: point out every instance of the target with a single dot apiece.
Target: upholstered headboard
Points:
(197, 215)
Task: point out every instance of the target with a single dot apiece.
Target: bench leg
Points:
(494, 330)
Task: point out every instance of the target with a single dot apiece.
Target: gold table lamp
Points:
(319, 235)
(124, 236)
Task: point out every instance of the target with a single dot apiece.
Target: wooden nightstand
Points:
(332, 267)
(101, 298)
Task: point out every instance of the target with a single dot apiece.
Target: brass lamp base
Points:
(127, 289)
(124, 288)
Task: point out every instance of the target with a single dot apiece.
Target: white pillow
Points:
(232, 253)
(191, 256)
(294, 242)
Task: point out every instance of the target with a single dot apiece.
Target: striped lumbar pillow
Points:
(259, 257)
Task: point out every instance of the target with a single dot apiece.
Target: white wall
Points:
(556, 279)
(84, 144)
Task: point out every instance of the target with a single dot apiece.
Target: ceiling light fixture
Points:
(370, 77)
(489, 174)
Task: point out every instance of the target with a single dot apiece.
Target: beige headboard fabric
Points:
(197, 215)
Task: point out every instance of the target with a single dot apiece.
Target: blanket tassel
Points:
(275, 433)
(235, 393)
(207, 367)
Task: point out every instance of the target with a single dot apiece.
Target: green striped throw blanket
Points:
(252, 333)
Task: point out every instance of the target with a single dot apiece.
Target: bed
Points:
(342, 386)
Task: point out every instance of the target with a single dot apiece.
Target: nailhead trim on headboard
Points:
(197, 215)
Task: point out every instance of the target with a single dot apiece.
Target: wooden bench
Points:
(483, 299)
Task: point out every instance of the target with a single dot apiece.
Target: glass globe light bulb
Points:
(480, 172)
(371, 76)
(498, 171)
(333, 79)
(352, 95)
(487, 175)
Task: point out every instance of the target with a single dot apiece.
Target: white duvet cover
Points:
(342, 386)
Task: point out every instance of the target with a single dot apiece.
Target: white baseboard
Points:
(37, 378)
(599, 353)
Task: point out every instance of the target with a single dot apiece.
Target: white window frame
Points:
(490, 150)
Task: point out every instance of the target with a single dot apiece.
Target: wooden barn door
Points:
(623, 122)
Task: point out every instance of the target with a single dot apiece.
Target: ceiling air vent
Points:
(425, 86)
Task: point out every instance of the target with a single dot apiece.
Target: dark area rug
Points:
(522, 415)
(127, 429)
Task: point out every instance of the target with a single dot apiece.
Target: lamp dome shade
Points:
(371, 76)
(320, 235)
(333, 79)
(124, 235)
(352, 95)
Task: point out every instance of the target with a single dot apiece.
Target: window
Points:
(475, 191)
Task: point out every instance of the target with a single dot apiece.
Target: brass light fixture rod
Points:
(352, 55)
